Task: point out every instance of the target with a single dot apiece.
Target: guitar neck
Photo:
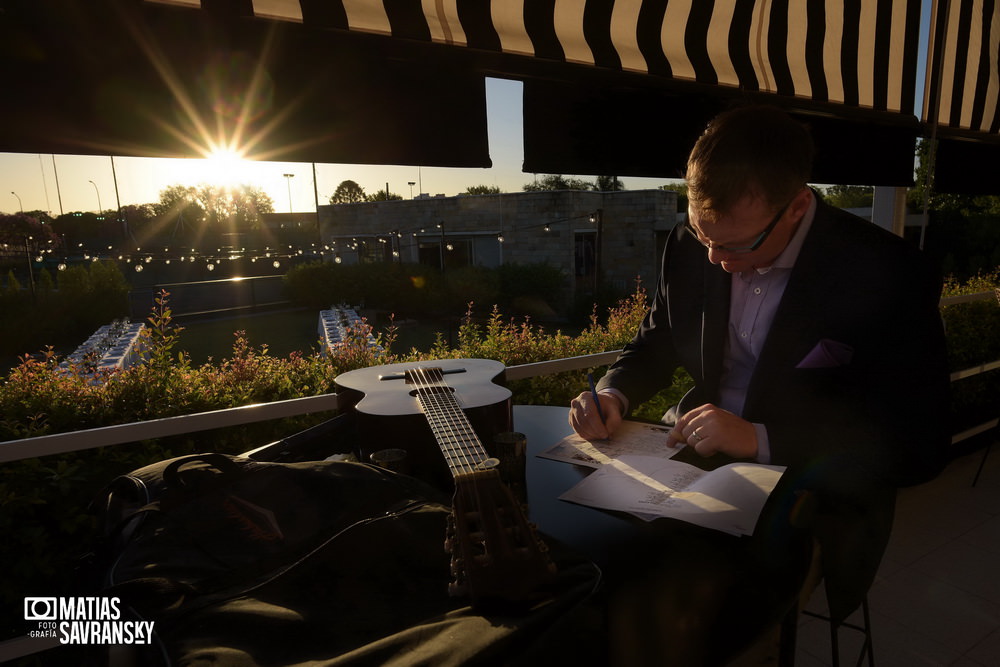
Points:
(462, 449)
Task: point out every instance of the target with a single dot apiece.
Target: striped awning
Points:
(859, 54)
(615, 87)
(962, 96)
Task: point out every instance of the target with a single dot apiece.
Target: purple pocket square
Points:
(827, 354)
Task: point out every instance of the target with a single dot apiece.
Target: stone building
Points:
(616, 235)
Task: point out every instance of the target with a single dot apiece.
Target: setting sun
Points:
(226, 166)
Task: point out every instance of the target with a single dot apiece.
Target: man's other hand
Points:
(710, 429)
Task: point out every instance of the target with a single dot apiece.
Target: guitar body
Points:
(389, 415)
(497, 558)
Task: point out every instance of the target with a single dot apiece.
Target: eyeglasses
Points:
(758, 242)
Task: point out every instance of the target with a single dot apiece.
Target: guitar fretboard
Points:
(462, 449)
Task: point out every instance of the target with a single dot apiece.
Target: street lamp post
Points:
(99, 207)
(19, 204)
(288, 181)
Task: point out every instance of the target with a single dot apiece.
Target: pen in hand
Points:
(597, 401)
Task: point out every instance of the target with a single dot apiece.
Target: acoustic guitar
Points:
(496, 555)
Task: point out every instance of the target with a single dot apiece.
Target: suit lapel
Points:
(801, 312)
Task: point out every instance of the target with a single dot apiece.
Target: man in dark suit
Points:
(814, 341)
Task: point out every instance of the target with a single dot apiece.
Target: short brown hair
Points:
(749, 150)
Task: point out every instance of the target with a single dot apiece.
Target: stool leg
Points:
(789, 638)
(868, 634)
(834, 645)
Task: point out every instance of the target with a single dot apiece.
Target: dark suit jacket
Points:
(850, 430)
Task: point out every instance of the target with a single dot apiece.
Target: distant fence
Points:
(211, 296)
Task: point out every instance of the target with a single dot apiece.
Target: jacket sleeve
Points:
(647, 363)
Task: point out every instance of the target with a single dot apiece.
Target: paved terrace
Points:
(936, 600)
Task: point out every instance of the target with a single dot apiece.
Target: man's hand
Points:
(586, 420)
(710, 429)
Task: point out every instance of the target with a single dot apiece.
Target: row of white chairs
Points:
(113, 346)
(338, 323)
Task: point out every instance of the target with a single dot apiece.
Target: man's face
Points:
(751, 234)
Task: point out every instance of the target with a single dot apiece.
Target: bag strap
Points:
(226, 465)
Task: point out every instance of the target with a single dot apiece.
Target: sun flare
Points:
(227, 167)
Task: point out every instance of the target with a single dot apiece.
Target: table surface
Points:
(588, 531)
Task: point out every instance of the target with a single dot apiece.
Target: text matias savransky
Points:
(85, 621)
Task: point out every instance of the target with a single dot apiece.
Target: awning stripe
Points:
(478, 25)
(991, 74)
(648, 35)
(972, 69)
(775, 26)
(280, 10)
(625, 34)
(568, 22)
(743, 47)
(832, 44)
(366, 16)
(322, 14)
(541, 29)
(672, 34)
(597, 32)
(797, 51)
(508, 18)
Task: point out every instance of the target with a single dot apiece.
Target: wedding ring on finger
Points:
(695, 437)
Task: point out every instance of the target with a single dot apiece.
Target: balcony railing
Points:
(60, 443)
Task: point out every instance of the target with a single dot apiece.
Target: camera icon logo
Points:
(40, 609)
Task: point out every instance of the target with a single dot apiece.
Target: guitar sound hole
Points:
(432, 390)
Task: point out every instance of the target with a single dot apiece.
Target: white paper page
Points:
(728, 499)
(632, 438)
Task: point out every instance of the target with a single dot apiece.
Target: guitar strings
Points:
(432, 410)
(448, 420)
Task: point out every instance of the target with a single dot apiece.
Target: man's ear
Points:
(800, 204)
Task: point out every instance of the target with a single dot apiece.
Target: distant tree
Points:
(180, 201)
(557, 182)
(849, 196)
(482, 190)
(249, 204)
(15, 228)
(87, 228)
(384, 195)
(348, 192)
(942, 202)
(609, 184)
(682, 194)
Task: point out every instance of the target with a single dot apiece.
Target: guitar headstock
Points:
(498, 560)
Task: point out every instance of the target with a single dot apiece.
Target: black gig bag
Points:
(240, 562)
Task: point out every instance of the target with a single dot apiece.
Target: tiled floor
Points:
(936, 600)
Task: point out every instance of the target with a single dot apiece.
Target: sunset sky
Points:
(34, 177)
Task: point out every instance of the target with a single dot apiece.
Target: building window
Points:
(585, 262)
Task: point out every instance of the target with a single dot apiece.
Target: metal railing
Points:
(61, 443)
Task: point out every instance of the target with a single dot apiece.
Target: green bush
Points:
(63, 313)
(974, 399)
